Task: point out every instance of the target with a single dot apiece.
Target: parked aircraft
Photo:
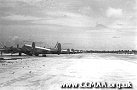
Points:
(11, 49)
(35, 50)
(70, 51)
(65, 51)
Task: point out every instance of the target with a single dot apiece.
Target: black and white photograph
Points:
(68, 44)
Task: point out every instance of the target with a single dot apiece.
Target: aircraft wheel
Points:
(36, 54)
(1, 53)
(44, 55)
(20, 53)
(30, 54)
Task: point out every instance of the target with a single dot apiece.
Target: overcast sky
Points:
(80, 24)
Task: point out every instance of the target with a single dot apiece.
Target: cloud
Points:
(31, 3)
(19, 17)
(115, 37)
(15, 38)
(101, 26)
(125, 22)
(14, 1)
(63, 18)
(112, 12)
(67, 19)
(85, 10)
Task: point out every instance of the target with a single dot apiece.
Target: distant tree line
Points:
(113, 51)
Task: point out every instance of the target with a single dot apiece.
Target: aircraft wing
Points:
(32, 49)
(43, 48)
(40, 48)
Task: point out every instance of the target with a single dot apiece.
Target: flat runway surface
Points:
(49, 73)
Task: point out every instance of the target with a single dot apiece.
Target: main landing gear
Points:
(43, 55)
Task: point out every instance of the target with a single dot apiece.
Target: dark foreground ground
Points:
(51, 72)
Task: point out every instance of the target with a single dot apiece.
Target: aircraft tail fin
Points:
(33, 48)
(1, 44)
(17, 45)
(33, 45)
(58, 47)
